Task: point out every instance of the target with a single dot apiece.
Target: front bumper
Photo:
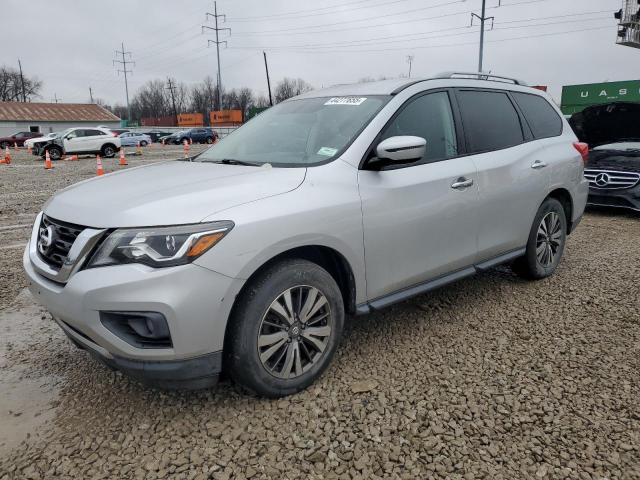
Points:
(628, 198)
(195, 301)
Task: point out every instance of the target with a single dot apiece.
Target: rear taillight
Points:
(114, 134)
(583, 150)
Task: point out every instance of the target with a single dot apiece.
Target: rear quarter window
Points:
(542, 118)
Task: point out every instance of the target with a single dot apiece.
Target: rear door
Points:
(512, 178)
(94, 140)
(419, 221)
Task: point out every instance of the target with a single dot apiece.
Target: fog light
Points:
(140, 329)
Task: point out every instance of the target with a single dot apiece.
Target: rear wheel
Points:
(143, 143)
(285, 329)
(546, 242)
(4, 145)
(108, 151)
(209, 140)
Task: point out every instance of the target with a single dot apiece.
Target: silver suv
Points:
(246, 259)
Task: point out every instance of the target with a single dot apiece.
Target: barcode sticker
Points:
(345, 101)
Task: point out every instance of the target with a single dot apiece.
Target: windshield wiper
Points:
(233, 161)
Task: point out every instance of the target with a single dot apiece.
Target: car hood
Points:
(606, 124)
(614, 159)
(168, 193)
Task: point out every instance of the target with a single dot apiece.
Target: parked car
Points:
(613, 169)
(31, 141)
(132, 139)
(117, 131)
(196, 135)
(156, 135)
(345, 200)
(17, 138)
(79, 141)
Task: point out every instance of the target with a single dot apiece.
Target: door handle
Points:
(462, 183)
(538, 164)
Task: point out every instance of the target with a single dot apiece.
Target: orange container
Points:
(190, 120)
(225, 117)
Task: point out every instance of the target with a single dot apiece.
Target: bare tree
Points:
(11, 86)
(290, 87)
(245, 101)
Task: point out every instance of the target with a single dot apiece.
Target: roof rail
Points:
(480, 76)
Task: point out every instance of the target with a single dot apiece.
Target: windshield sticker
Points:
(327, 151)
(345, 101)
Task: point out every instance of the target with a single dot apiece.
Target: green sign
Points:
(576, 98)
(253, 111)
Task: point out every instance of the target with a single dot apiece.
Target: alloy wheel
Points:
(294, 332)
(549, 238)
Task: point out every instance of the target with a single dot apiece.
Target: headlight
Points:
(159, 247)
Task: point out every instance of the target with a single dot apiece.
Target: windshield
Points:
(297, 132)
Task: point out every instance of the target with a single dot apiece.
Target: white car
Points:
(92, 141)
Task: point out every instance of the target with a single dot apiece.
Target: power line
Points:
(217, 42)
(299, 11)
(124, 70)
(416, 36)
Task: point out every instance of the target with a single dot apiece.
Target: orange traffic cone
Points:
(15, 145)
(163, 142)
(123, 160)
(190, 141)
(29, 149)
(47, 161)
(7, 157)
(186, 149)
(99, 170)
(138, 149)
(73, 158)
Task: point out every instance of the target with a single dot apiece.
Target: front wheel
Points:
(285, 329)
(4, 145)
(546, 242)
(55, 153)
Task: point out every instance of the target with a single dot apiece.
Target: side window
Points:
(490, 120)
(92, 133)
(75, 134)
(541, 117)
(430, 117)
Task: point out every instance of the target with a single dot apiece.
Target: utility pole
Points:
(24, 96)
(91, 94)
(124, 70)
(171, 88)
(55, 97)
(217, 41)
(266, 67)
(410, 61)
(483, 18)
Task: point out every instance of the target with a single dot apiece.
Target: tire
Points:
(55, 153)
(108, 151)
(209, 140)
(4, 145)
(546, 242)
(182, 140)
(290, 357)
(143, 143)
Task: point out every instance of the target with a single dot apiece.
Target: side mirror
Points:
(402, 148)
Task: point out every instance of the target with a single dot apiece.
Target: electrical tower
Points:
(629, 24)
(217, 41)
(172, 88)
(410, 61)
(124, 62)
(483, 18)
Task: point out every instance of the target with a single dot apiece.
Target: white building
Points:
(52, 117)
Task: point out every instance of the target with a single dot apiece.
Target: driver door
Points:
(73, 141)
(419, 222)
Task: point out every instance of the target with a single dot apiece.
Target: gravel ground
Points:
(492, 377)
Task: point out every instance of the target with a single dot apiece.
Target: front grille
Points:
(64, 234)
(611, 179)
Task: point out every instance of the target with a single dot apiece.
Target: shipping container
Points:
(225, 117)
(190, 120)
(576, 98)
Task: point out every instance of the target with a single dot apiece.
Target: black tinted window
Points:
(429, 117)
(541, 117)
(490, 121)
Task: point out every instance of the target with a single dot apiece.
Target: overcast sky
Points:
(70, 44)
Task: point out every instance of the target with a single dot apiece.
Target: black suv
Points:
(613, 169)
